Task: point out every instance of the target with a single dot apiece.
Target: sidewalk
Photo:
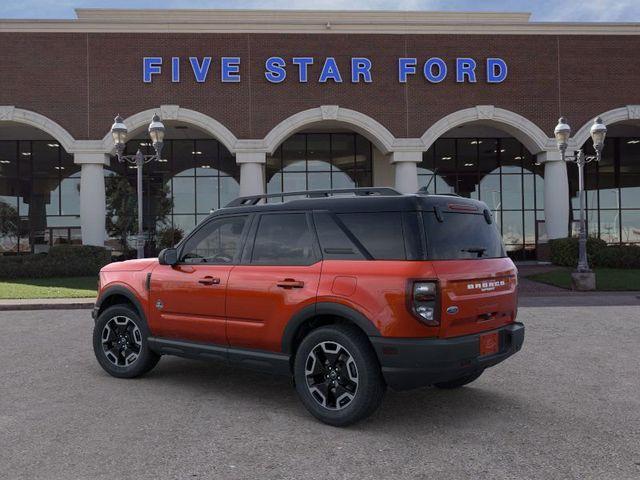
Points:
(46, 304)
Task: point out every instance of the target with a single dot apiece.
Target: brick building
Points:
(277, 101)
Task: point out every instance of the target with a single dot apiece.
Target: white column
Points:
(92, 197)
(556, 194)
(251, 172)
(406, 166)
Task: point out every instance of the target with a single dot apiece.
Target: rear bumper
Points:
(411, 363)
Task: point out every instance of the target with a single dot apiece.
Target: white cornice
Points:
(302, 21)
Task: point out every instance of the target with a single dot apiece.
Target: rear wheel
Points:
(120, 343)
(337, 375)
(460, 381)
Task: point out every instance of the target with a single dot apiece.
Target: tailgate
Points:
(476, 295)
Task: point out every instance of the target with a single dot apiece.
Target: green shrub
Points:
(61, 261)
(564, 251)
(618, 256)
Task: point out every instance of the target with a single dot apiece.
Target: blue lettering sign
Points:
(330, 71)
(151, 66)
(428, 70)
(406, 66)
(275, 69)
(175, 69)
(360, 67)
(303, 67)
(465, 67)
(230, 69)
(200, 71)
(496, 70)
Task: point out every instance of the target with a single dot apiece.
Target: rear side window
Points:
(334, 242)
(283, 239)
(380, 233)
(461, 236)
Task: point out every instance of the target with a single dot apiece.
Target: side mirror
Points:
(168, 256)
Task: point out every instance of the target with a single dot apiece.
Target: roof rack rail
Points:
(359, 192)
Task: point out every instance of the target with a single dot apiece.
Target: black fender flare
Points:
(325, 308)
(119, 290)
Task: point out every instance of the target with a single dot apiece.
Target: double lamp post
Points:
(119, 133)
(583, 278)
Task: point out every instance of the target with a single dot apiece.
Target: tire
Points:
(120, 329)
(337, 375)
(459, 382)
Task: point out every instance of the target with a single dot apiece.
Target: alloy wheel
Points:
(332, 375)
(121, 341)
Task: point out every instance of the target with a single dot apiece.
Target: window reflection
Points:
(612, 188)
(498, 171)
(39, 196)
(320, 161)
(195, 176)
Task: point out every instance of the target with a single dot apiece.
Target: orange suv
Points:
(348, 291)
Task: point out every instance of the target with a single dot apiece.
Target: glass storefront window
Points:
(193, 177)
(320, 161)
(39, 196)
(612, 191)
(498, 171)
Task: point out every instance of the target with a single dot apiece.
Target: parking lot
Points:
(567, 406)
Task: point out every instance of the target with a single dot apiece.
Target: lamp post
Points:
(119, 133)
(562, 133)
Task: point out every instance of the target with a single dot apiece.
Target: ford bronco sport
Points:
(347, 294)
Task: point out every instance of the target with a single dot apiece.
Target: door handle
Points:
(290, 283)
(209, 281)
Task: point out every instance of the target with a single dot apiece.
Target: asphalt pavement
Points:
(566, 406)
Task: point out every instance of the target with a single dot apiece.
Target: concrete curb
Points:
(47, 304)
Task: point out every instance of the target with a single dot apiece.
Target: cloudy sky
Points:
(543, 10)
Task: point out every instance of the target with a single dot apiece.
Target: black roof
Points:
(387, 202)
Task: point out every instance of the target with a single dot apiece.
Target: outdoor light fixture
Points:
(562, 133)
(119, 133)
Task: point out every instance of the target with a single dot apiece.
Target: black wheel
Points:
(337, 375)
(120, 343)
(459, 382)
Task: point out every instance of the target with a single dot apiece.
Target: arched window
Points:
(316, 161)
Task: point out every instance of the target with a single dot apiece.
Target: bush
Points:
(61, 261)
(618, 256)
(564, 251)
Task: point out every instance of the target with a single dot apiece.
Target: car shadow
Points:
(399, 410)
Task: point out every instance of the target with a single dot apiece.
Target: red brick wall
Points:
(82, 80)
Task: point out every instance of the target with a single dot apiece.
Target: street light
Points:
(562, 133)
(119, 133)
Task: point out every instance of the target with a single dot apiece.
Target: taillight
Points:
(424, 302)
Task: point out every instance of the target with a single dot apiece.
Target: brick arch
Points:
(527, 132)
(177, 113)
(382, 138)
(10, 113)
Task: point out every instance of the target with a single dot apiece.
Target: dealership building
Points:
(276, 101)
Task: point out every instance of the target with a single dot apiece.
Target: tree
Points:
(9, 221)
(122, 208)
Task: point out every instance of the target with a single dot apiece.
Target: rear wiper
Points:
(478, 250)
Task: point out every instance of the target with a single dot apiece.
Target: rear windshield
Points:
(461, 236)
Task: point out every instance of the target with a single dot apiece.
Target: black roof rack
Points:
(360, 192)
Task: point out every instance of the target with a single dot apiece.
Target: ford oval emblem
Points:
(452, 310)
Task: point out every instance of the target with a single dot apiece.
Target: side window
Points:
(335, 243)
(218, 242)
(283, 239)
(380, 233)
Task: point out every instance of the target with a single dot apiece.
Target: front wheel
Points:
(337, 375)
(120, 343)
